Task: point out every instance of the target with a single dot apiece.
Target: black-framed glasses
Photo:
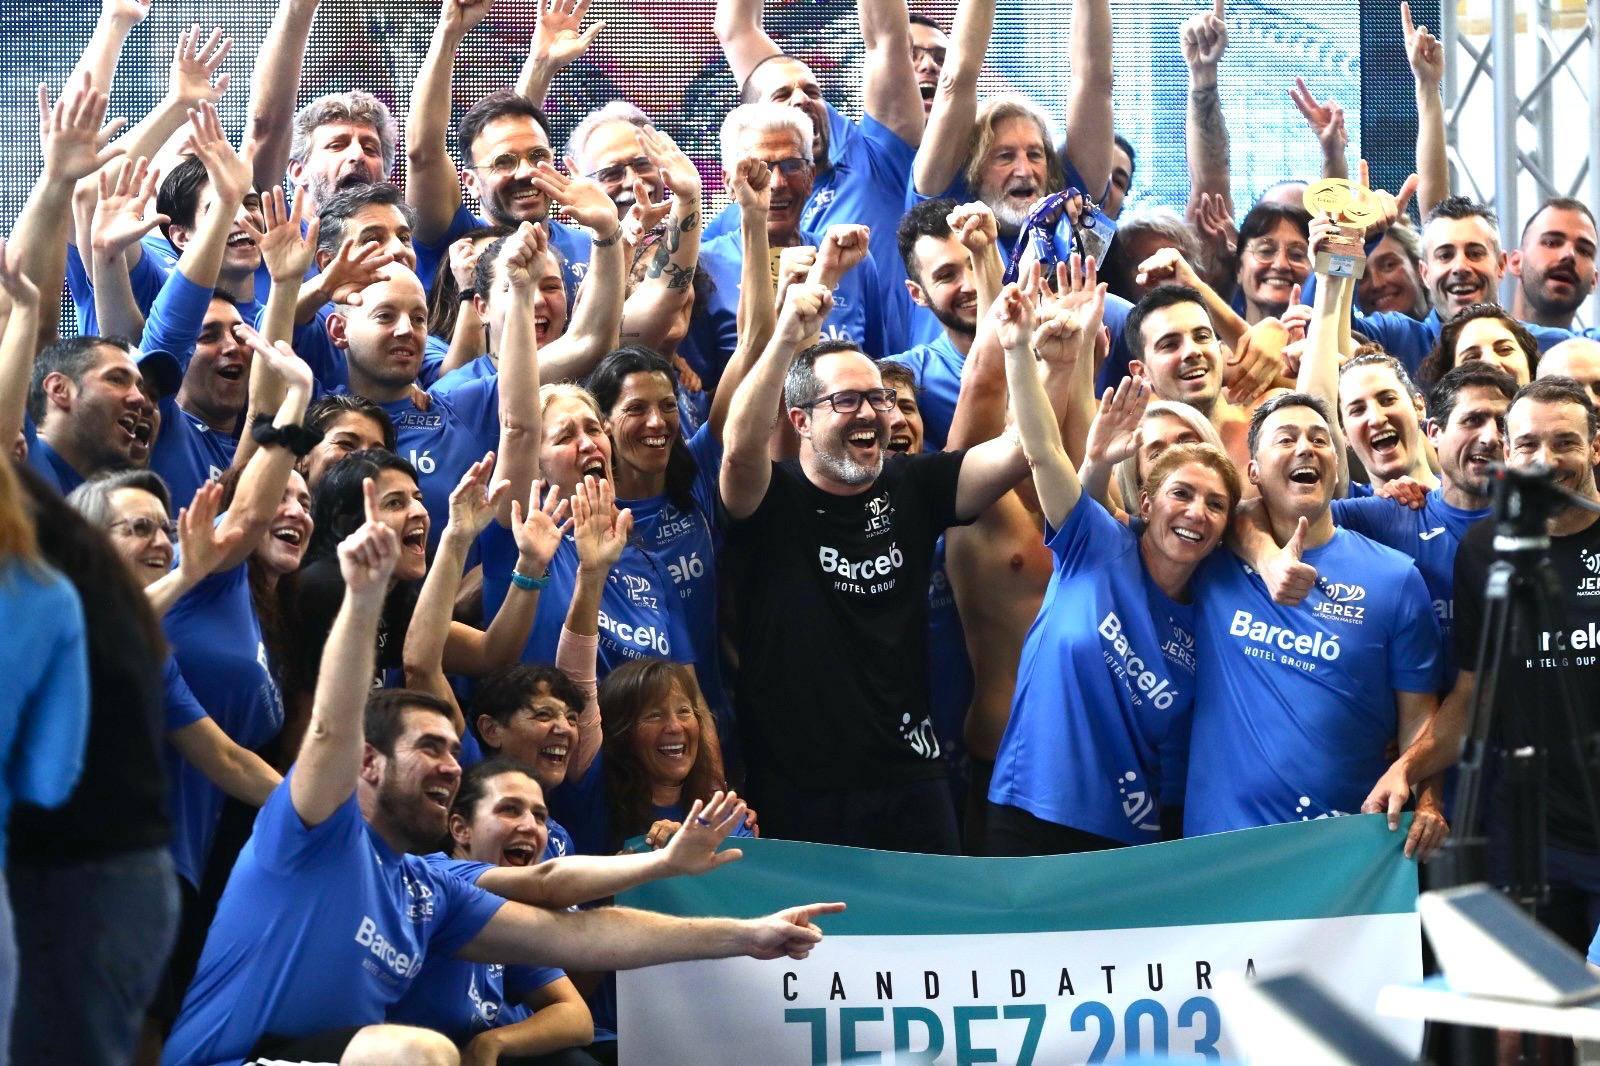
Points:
(508, 162)
(143, 528)
(790, 167)
(640, 165)
(848, 401)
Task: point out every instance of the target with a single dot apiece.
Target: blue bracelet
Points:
(523, 581)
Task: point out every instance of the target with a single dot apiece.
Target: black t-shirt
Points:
(320, 595)
(1530, 676)
(832, 595)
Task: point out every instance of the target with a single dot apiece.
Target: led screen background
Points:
(663, 57)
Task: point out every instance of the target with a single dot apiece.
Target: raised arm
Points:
(126, 188)
(432, 187)
(266, 474)
(751, 189)
(656, 303)
(1426, 56)
(597, 320)
(274, 88)
(745, 44)
(1319, 366)
(1113, 437)
(74, 145)
(1053, 475)
(955, 100)
(287, 254)
(98, 61)
(19, 342)
(746, 469)
(329, 762)
(230, 176)
(519, 367)
(1205, 38)
(202, 547)
(601, 533)
(574, 879)
(1090, 136)
(556, 42)
(889, 84)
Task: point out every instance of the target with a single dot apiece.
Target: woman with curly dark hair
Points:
(1486, 332)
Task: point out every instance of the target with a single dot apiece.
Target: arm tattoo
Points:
(678, 277)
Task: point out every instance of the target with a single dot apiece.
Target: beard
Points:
(1539, 298)
(1008, 219)
(324, 190)
(410, 817)
(835, 459)
(953, 322)
(498, 206)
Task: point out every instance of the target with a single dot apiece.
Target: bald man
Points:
(1579, 359)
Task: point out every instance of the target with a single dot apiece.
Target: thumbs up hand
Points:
(1289, 578)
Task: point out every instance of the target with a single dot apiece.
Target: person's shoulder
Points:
(1365, 560)
(51, 598)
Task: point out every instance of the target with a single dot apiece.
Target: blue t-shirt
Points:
(1430, 536)
(47, 462)
(1106, 679)
(639, 618)
(187, 452)
(1295, 708)
(329, 366)
(859, 313)
(146, 276)
(684, 546)
(320, 927)
(478, 369)
(462, 999)
(44, 703)
(573, 242)
(455, 431)
(217, 645)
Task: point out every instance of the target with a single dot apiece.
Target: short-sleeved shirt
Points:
(158, 261)
(455, 431)
(573, 242)
(49, 463)
(329, 365)
(1532, 672)
(44, 703)
(217, 644)
(585, 810)
(1430, 536)
(833, 591)
(321, 927)
(1295, 707)
(462, 999)
(1105, 680)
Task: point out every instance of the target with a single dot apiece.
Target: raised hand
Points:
(585, 199)
(125, 12)
(352, 269)
(367, 556)
(1423, 51)
(556, 36)
(1215, 221)
(192, 78)
(1067, 330)
(464, 262)
(600, 530)
(1114, 433)
(475, 500)
(278, 358)
(1256, 363)
(843, 247)
(794, 265)
(71, 137)
(230, 173)
(1392, 205)
(1404, 490)
(1167, 265)
(126, 189)
(202, 544)
(1012, 316)
(643, 216)
(456, 17)
(521, 251)
(1326, 120)
(1205, 38)
(677, 169)
(1288, 576)
(692, 848)
(975, 227)
(538, 535)
(751, 186)
(284, 249)
(805, 305)
(16, 288)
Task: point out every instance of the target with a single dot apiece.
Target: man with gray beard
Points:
(830, 556)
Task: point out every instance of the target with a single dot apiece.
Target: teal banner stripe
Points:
(1323, 869)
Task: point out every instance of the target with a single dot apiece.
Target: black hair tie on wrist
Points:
(297, 438)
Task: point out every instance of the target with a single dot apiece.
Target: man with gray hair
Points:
(781, 137)
(341, 141)
(605, 146)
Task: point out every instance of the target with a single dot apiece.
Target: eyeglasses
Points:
(1267, 251)
(509, 162)
(849, 401)
(790, 167)
(142, 528)
(641, 166)
(919, 53)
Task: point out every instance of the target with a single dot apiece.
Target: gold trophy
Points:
(1352, 208)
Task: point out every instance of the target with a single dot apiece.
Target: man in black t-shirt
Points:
(830, 556)
(1550, 422)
